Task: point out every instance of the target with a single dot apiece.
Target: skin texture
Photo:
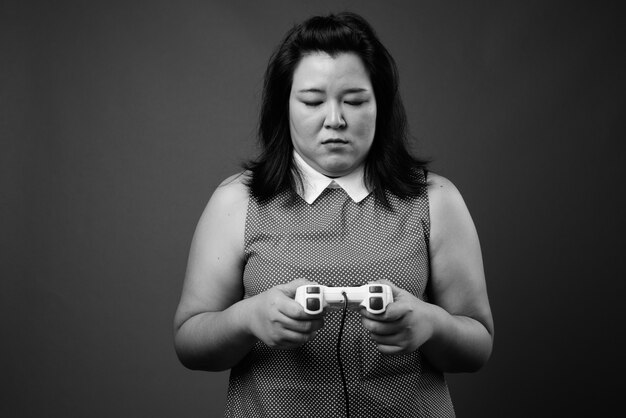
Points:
(332, 112)
(215, 328)
(454, 330)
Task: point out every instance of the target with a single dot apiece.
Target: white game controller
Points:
(374, 297)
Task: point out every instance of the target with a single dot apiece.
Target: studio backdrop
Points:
(119, 119)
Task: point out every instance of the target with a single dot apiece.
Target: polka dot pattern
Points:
(336, 242)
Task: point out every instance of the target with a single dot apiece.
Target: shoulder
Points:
(231, 192)
(442, 193)
(448, 212)
(222, 224)
(235, 185)
(228, 204)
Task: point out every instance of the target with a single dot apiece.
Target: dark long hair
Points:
(389, 166)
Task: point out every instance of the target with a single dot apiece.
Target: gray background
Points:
(118, 119)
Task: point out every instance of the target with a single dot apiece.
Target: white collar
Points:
(314, 182)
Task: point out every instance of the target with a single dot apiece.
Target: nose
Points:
(334, 117)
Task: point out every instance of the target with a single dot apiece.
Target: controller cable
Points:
(341, 369)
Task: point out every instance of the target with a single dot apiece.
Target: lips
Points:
(334, 141)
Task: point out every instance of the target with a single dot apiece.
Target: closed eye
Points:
(354, 102)
(312, 104)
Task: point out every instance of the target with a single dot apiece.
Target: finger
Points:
(291, 339)
(380, 328)
(392, 339)
(305, 327)
(393, 312)
(292, 315)
(294, 310)
(396, 311)
(289, 289)
(396, 291)
(389, 349)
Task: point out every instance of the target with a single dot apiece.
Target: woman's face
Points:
(332, 112)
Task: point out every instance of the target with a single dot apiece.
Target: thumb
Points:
(289, 289)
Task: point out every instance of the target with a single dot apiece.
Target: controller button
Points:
(376, 303)
(312, 304)
(376, 289)
(313, 290)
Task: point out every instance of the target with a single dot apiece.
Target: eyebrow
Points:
(346, 91)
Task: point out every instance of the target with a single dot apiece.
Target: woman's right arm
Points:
(214, 327)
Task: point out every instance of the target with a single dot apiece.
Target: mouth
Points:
(334, 141)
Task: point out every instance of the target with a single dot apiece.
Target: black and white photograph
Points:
(320, 209)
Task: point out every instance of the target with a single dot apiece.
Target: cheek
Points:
(365, 125)
(302, 124)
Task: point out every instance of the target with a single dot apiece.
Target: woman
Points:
(336, 199)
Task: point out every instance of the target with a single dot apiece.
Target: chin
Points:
(337, 171)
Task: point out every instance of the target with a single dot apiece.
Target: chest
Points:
(336, 242)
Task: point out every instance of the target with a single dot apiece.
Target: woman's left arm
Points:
(454, 329)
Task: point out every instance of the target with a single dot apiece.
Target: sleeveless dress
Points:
(336, 242)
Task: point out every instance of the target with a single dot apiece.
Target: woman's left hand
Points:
(407, 323)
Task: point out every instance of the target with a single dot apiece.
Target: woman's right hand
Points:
(281, 322)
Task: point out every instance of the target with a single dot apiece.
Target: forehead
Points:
(321, 70)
